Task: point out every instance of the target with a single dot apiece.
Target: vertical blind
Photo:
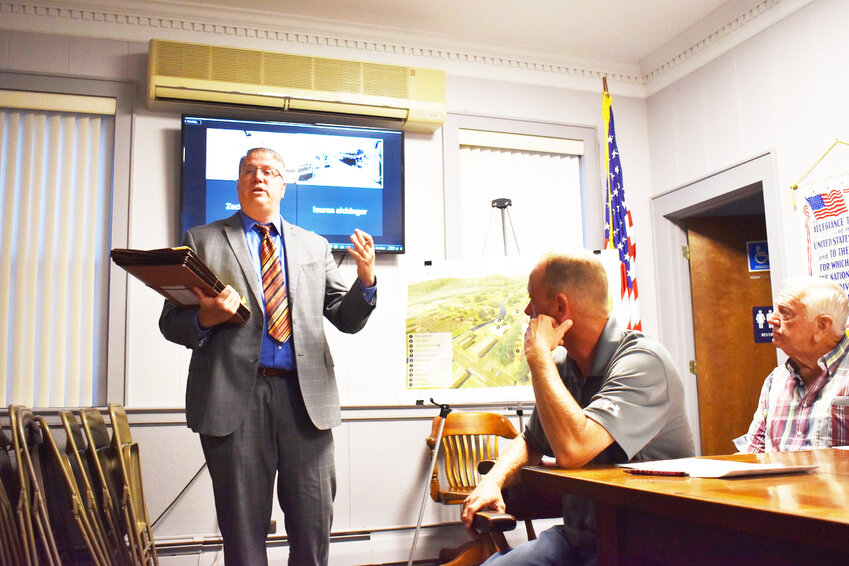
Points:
(56, 172)
(545, 189)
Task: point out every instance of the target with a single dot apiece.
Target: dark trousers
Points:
(276, 438)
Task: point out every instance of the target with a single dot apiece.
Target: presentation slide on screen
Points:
(334, 183)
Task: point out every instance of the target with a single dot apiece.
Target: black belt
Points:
(274, 372)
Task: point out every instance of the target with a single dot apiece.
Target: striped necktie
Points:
(274, 288)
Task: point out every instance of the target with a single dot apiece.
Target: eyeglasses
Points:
(266, 172)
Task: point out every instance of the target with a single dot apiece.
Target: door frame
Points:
(672, 272)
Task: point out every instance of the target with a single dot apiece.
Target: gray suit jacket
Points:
(223, 367)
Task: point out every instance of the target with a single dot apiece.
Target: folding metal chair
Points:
(11, 545)
(133, 500)
(75, 448)
(75, 537)
(33, 518)
(103, 463)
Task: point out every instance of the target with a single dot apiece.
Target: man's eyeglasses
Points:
(266, 171)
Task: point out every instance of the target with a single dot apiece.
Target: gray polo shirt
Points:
(636, 394)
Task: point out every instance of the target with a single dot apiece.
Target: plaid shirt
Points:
(791, 416)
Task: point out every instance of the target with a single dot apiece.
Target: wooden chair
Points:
(33, 518)
(75, 449)
(132, 498)
(77, 540)
(468, 439)
(104, 466)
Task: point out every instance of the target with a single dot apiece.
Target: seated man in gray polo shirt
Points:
(612, 396)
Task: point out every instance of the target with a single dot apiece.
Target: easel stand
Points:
(503, 205)
(443, 412)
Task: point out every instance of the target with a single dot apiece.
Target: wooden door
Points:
(730, 365)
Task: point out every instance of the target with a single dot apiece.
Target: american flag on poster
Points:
(826, 217)
(827, 205)
(618, 223)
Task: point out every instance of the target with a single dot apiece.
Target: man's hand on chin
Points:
(544, 334)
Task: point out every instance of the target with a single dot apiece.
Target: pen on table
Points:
(637, 472)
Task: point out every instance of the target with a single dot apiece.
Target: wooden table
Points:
(780, 519)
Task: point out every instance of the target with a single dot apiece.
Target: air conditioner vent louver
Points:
(288, 71)
(191, 62)
(209, 74)
(235, 65)
(337, 76)
(385, 79)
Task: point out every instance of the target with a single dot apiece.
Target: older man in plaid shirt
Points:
(804, 403)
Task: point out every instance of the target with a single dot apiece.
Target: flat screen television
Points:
(337, 177)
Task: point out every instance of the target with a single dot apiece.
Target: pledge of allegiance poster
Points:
(827, 227)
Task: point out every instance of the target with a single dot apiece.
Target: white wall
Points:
(782, 90)
(381, 456)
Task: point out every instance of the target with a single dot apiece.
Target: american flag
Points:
(827, 205)
(618, 223)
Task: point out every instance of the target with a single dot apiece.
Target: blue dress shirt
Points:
(274, 354)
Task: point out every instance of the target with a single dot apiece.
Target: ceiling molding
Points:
(715, 35)
(152, 19)
(142, 20)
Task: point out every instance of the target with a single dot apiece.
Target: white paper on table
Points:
(710, 468)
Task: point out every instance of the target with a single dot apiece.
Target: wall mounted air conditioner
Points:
(413, 99)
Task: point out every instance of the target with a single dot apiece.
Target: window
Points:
(57, 167)
(539, 167)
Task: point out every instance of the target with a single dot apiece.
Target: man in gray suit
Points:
(263, 395)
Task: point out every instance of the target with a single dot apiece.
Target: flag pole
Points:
(606, 188)
(618, 222)
(795, 185)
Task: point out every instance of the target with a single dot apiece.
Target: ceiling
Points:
(612, 30)
(642, 46)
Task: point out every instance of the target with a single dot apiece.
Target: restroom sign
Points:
(758, 253)
(763, 329)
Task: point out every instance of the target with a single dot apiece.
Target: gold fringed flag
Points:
(618, 222)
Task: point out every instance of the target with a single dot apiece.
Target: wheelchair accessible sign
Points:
(758, 253)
